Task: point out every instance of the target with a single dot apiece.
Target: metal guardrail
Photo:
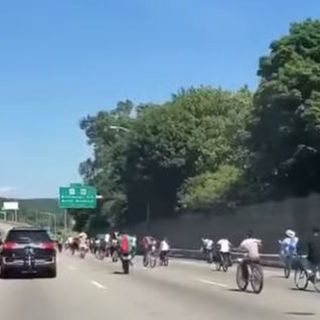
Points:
(267, 259)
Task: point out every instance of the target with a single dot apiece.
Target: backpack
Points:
(124, 244)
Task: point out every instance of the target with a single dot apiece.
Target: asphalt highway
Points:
(90, 289)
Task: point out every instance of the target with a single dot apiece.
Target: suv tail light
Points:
(47, 245)
(9, 245)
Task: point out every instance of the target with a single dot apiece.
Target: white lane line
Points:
(72, 268)
(98, 285)
(192, 263)
(213, 283)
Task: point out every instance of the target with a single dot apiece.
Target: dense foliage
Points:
(285, 133)
(209, 145)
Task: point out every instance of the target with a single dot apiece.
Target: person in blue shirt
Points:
(289, 245)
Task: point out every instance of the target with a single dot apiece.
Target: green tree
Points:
(285, 131)
(105, 169)
(196, 132)
(204, 190)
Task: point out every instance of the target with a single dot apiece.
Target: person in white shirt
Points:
(83, 241)
(207, 249)
(107, 238)
(224, 247)
(251, 247)
(164, 248)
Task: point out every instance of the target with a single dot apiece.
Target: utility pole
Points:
(65, 222)
(148, 216)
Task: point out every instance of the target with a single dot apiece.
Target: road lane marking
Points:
(190, 263)
(72, 268)
(98, 285)
(213, 283)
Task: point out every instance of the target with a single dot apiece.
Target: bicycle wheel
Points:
(301, 279)
(316, 280)
(153, 261)
(218, 266)
(145, 260)
(241, 281)
(210, 257)
(115, 256)
(166, 261)
(287, 268)
(256, 278)
(225, 266)
(101, 254)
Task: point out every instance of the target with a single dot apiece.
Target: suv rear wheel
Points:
(52, 272)
(4, 272)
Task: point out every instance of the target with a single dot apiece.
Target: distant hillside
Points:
(50, 205)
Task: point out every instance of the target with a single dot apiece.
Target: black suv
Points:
(27, 251)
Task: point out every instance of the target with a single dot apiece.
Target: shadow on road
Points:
(305, 291)
(240, 291)
(20, 276)
(278, 277)
(119, 273)
(300, 314)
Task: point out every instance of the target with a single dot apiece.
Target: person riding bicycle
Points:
(164, 249)
(148, 244)
(107, 241)
(288, 246)
(224, 248)
(114, 245)
(207, 244)
(207, 249)
(59, 242)
(83, 241)
(134, 240)
(251, 246)
(313, 250)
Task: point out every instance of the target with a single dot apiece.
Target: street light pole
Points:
(65, 222)
(148, 217)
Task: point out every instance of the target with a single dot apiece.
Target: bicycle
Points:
(100, 254)
(164, 259)
(223, 262)
(287, 266)
(254, 276)
(82, 252)
(208, 255)
(150, 258)
(115, 255)
(303, 276)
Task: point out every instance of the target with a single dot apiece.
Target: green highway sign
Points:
(77, 196)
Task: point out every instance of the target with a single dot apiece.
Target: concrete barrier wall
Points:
(268, 220)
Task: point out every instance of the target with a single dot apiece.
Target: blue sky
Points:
(61, 60)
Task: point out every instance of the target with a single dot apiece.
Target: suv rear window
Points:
(27, 236)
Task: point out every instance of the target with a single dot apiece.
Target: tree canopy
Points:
(209, 145)
(285, 132)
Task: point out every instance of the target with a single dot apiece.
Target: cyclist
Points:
(148, 243)
(251, 246)
(83, 241)
(288, 246)
(164, 249)
(134, 240)
(207, 248)
(107, 238)
(114, 242)
(224, 247)
(59, 242)
(313, 250)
